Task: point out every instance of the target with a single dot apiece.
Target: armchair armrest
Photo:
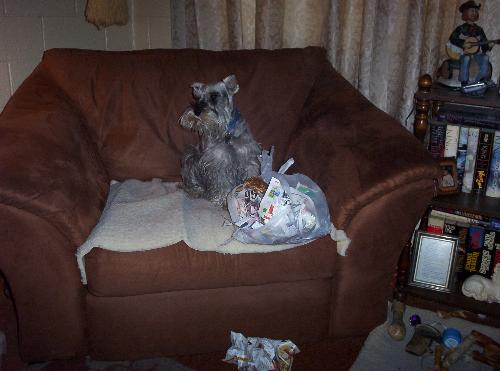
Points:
(356, 152)
(49, 165)
(52, 190)
(378, 180)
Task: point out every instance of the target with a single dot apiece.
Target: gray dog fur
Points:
(227, 153)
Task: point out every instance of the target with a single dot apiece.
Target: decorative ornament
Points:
(105, 13)
(483, 289)
(415, 320)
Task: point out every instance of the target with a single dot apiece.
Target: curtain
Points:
(380, 46)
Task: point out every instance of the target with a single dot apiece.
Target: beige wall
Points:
(28, 27)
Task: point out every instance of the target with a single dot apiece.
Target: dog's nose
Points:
(198, 107)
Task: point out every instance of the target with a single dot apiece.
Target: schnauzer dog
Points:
(227, 153)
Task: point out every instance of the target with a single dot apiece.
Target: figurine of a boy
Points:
(463, 37)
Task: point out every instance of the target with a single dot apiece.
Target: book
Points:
(473, 249)
(437, 136)
(487, 258)
(451, 140)
(435, 224)
(495, 224)
(463, 234)
(470, 160)
(472, 216)
(493, 184)
(461, 154)
(450, 227)
(472, 116)
(424, 221)
(460, 230)
(483, 156)
(459, 216)
(497, 251)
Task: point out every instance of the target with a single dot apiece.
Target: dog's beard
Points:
(207, 119)
(212, 127)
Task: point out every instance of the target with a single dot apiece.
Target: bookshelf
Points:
(433, 96)
(441, 93)
(429, 100)
(479, 204)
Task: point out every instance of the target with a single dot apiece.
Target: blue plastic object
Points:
(451, 338)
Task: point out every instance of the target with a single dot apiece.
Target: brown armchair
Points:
(85, 117)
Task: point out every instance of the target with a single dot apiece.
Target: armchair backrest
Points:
(131, 101)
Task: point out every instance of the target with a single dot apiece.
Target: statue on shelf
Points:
(469, 42)
(483, 289)
(467, 50)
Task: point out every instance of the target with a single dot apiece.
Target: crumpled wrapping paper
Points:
(260, 354)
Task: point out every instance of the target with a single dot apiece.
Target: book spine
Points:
(470, 160)
(496, 260)
(424, 221)
(473, 250)
(461, 257)
(451, 140)
(450, 227)
(483, 157)
(489, 121)
(458, 216)
(437, 138)
(467, 214)
(493, 185)
(487, 259)
(495, 224)
(435, 224)
(462, 154)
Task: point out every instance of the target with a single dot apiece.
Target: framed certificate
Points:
(433, 261)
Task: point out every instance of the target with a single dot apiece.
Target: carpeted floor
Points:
(379, 347)
(336, 355)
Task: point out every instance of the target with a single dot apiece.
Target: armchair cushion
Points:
(179, 267)
(142, 216)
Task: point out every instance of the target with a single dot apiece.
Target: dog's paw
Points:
(189, 120)
(219, 200)
(192, 190)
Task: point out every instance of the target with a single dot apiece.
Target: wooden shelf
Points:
(477, 204)
(443, 94)
(457, 301)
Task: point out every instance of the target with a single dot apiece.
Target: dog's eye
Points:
(214, 97)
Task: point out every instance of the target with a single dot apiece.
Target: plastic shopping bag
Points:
(292, 210)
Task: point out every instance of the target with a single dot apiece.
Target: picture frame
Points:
(448, 182)
(433, 261)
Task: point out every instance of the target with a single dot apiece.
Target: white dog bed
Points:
(148, 215)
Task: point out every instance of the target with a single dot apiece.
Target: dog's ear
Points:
(198, 89)
(231, 84)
